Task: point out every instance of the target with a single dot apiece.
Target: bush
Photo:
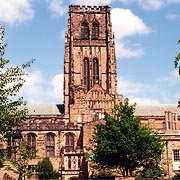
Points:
(151, 172)
(46, 171)
(177, 175)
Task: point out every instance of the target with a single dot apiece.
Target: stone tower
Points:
(90, 78)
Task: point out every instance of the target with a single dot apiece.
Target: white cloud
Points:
(123, 52)
(128, 87)
(57, 7)
(134, 91)
(126, 1)
(92, 2)
(35, 88)
(15, 11)
(150, 5)
(173, 1)
(172, 16)
(172, 78)
(56, 87)
(142, 101)
(125, 23)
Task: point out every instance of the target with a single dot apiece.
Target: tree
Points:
(11, 80)
(153, 172)
(177, 65)
(45, 170)
(176, 61)
(24, 154)
(123, 143)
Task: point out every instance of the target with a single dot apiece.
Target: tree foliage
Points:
(12, 79)
(177, 65)
(46, 171)
(123, 143)
(153, 172)
(25, 152)
(176, 61)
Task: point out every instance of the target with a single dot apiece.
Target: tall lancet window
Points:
(86, 77)
(85, 30)
(95, 71)
(95, 30)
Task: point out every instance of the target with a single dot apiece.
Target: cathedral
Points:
(62, 132)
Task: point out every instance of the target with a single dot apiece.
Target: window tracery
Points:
(50, 144)
(85, 30)
(95, 30)
(95, 71)
(86, 77)
(31, 138)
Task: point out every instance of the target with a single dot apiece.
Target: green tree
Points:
(123, 143)
(25, 152)
(177, 65)
(153, 172)
(12, 79)
(46, 171)
(176, 61)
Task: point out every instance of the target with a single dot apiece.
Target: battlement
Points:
(89, 9)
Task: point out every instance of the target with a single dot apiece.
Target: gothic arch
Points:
(95, 30)
(85, 30)
(95, 71)
(31, 138)
(70, 141)
(86, 73)
(50, 144)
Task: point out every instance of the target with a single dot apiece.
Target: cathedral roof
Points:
(156, 110)
(45, 109)
(141, 110)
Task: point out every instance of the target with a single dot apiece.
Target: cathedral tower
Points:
(89, 53)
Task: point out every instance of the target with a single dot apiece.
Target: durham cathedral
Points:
(62, 132)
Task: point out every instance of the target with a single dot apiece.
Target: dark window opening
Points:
(69, 142)
(84, 30)
(86, 74)
(50, 145)
(176, 155)
(79, 162)
(69, 162)
(32, 140)
(95, 30)
(95, 71)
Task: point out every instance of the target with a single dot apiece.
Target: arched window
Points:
(95, 71)
(50, 144)
(164, 125)
(31, 138)
(79, 162)
(85, 30)
(69, 142)
(95, 30)
(86, 74)
(69, 162)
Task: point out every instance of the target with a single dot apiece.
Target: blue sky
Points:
(146, 35)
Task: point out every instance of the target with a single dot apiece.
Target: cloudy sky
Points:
(146, 34)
